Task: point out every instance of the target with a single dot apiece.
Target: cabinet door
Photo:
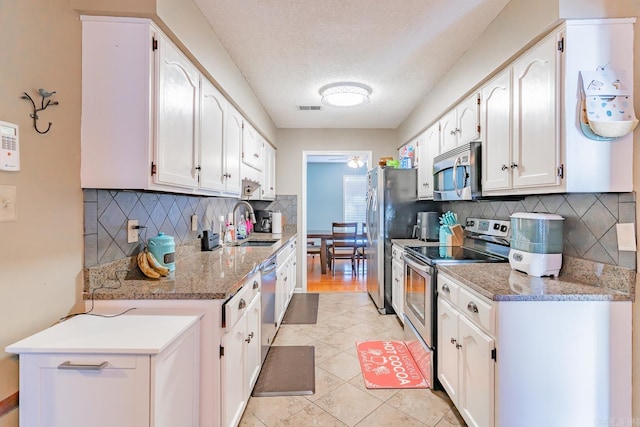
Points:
(397, 298)
(476, 375)
(428, 149)
(212, 161)
(448, 353)
(54, 397)
(233, 150)
(536, 148)
(467, 120)
(233, 373)
(496, 132)
(269, 173)
(251, 147)
(178, 96)
(281, 292)
(448, 133)
(253, 358)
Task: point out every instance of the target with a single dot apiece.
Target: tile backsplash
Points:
(106, 213)
(589, 228)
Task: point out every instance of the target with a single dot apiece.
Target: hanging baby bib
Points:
(607, 105)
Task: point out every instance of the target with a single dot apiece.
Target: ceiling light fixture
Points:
(355, 162)
(345, 94)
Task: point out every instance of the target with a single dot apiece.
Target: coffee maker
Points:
(263, 221)
(427, 226)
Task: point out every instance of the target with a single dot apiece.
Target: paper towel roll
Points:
(276, 223)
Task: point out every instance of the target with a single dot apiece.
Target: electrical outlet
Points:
(194, 222)
(132, 231)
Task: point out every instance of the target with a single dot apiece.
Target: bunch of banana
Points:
(150, 266)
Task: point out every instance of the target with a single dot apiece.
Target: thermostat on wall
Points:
(9, 147)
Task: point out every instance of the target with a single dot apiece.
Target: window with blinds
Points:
(354, 193)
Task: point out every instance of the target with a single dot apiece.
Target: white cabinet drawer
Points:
(448, 289)
(477, 309)
(396, 253)
(237, 305)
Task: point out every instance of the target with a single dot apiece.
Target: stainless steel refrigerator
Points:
(392, 207)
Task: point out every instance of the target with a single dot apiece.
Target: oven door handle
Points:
(416, 264)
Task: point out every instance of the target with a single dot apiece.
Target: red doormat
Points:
(388, 364)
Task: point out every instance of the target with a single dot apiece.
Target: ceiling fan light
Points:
(355, 162)
(345, 94)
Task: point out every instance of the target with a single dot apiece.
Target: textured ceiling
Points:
(288, 49)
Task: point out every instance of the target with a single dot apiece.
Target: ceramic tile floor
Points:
(341, 398)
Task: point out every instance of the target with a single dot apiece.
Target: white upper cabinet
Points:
(536, 145)
(178, 105)
(268, 189)
(428, 148)
(495, 121)
(151, 120)
(221, 132)
(252, 147)
(532, 142)
(460, 125)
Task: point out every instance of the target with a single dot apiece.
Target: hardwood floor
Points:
(342, 280)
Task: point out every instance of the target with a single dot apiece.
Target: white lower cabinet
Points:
(111, 372)
(465, 364)
(286, 279)
(397, 282)
(241, 350)
(532, 363)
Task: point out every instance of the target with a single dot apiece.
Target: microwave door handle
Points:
(457, 163)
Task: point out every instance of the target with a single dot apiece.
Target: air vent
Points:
(309, 107)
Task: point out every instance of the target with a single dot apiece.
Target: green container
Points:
(393, 164)
(538, 233)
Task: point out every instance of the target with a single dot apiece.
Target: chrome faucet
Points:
(250, 215)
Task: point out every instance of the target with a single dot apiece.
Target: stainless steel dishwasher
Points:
(268, 301)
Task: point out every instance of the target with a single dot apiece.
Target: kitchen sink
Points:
(255, 243)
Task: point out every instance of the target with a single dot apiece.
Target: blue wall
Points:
(324, 193)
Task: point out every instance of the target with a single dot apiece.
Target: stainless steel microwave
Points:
(457, 173)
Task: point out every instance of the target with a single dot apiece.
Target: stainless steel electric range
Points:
(486, 240)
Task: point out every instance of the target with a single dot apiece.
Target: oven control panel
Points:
(491, 227)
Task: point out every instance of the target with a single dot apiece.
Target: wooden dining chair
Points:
(313, 248)
(343, 243)
(361, 249)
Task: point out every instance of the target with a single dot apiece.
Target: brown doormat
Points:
(302, 310)
(287, 371)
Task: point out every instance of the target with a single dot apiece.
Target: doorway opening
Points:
(330, 191)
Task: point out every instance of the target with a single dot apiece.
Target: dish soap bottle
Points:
(242, 228)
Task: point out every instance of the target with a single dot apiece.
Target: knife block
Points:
(457, 238)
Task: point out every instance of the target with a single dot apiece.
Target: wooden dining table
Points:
(325, 235)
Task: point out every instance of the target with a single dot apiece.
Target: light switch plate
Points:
(194, 222)
(8, 203)
(626, 237)
(132, 232)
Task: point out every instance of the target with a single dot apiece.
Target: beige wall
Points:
(41, 253)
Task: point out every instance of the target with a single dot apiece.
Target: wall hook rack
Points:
(43, 105)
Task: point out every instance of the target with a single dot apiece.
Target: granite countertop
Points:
(216, 274)
(499, 282)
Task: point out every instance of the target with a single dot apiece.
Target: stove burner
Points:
(450, 255)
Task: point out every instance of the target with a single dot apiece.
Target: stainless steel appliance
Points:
(392, 207)
(427, 226)
(263, 221)
(457, 174)
(485, 241)
(268, 276)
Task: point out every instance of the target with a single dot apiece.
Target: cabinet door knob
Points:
(255, 284)
(242, 304)
(514, 165)
(453, 340)
(453, 132)
(458, 346)
(446, 289)
(472, 307)
(504, 167)
(248, 340)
